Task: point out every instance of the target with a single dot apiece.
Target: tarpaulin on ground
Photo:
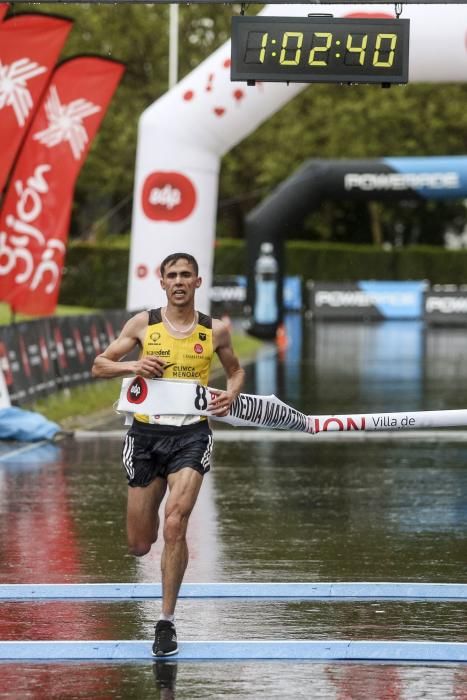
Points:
(26, 426)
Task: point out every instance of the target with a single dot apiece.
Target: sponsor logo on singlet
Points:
(185, 372)
(198, 348)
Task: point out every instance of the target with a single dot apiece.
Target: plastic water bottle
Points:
(266, 269)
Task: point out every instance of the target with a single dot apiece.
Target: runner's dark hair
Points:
(175, 257)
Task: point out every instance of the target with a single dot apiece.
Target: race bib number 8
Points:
(201, 400)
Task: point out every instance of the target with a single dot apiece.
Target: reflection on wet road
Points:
(281, 511)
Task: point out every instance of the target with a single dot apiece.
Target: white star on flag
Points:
(13, 90)
(66, 123)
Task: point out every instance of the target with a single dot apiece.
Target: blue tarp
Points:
(25, 426)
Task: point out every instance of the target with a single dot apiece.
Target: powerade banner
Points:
(38, 357)
(427, 178)
(29, 48)
(228, 294)
(371, 300)
(35, 214)
(446, 306)
(381, 179)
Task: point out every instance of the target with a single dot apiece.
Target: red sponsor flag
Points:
(29, 48)
(35, 216)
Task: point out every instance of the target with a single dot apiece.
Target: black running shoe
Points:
(165, 642)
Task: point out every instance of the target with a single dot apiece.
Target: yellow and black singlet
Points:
(186, 359)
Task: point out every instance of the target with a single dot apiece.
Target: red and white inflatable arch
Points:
(184, 134)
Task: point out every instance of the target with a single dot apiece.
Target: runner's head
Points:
(179, 279)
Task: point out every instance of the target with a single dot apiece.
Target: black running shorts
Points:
(158, 450)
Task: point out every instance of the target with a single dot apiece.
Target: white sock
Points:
(169, 618)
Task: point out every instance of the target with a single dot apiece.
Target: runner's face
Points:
(180, 283)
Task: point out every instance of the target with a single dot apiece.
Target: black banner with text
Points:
(41, 356)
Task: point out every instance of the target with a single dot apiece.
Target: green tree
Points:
(334, 121)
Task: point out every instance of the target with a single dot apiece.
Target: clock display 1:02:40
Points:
(355, 52)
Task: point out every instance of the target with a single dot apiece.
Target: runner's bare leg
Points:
(184, 487)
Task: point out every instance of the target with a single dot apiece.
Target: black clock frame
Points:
(330, 73)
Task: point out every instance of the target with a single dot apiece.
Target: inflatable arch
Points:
(362, 179)
(183, 135)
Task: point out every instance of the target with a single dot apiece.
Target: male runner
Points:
(176, 342)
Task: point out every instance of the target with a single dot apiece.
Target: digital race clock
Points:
(320, 49)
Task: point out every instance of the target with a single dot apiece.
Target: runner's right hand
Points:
(149, 367)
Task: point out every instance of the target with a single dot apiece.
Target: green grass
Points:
(75, 407)
(6, 317)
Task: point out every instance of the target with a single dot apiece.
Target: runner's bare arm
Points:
(109, 363)
(222, 400)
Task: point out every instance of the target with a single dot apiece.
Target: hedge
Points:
(96, 275)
